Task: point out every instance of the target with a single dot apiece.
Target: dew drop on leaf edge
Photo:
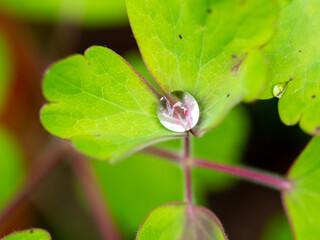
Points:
(278, 90)
(178, 111)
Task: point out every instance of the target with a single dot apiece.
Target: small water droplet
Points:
(178, 111)
(278, 90)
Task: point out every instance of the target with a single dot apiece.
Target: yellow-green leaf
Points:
(302, 201)
(295, 64)
(211, 49)
(181, 221)
(102, 104)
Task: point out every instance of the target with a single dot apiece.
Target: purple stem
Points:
(254, 176)
(175, 158)
(248, 174)
(187, 169)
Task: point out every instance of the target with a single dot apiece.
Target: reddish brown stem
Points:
(99, 208)
(50, 159)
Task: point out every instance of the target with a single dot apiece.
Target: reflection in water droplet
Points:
(178, 111)
(278, 90)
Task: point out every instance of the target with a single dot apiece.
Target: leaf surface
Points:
(210, 49)
(178, 221)
(102, 104)
(31, 234)
(302, 201)
(88, 13)
(295, 62)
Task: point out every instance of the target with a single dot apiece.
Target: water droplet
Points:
(178, 111)
(278, 90)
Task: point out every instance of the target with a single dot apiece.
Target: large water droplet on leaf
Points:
(178, 111)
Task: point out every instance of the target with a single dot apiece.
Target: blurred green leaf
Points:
(5, 69)
(31, 234)
(302, 201)
(278, 228)
(136, 186)
(89, 13)
(101, 104)
(179, 221)
(11, 167)
(11, 164)
(295, 62)
(210, 49)
(140, 183)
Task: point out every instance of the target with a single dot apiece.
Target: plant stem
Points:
(248, 174)
(187, 169)
(50, 159)
(255, 176)
(173, 157)
(99, 208)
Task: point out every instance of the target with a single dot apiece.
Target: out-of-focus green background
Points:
(33, 35)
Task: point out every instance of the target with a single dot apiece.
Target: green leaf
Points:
(102, 104)
(180, 221)
(140, 183)
(210, 49)
(278, 228)
(295, 62)
(90, 13)
(31, 234)
(11, 167)
(5, 67)
(302, 201)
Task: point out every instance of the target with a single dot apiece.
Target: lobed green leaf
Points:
(295, 63)
(210, 49)
(102, 104)
(302, 201)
